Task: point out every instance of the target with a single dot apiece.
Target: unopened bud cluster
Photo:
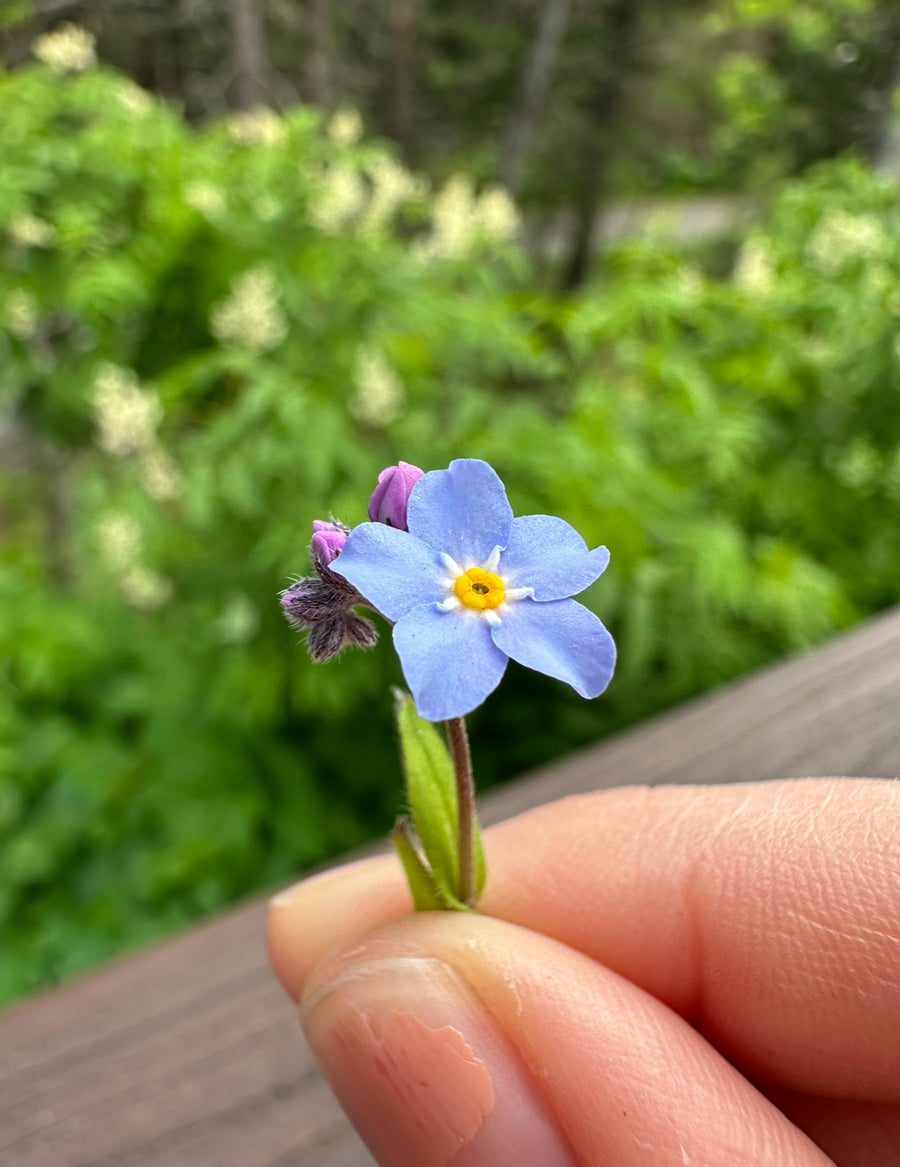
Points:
(322, 604)
(327, 542)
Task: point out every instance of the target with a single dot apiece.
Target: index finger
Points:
(766, 914)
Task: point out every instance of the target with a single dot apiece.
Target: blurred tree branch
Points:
(605, 99)
(248, 53)
(535, 80)
(319, 67)
(404, 17)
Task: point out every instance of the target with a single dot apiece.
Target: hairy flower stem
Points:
(465, 797)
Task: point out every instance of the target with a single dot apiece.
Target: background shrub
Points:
(211, 337)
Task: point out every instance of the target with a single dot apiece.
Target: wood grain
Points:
(188, 1055)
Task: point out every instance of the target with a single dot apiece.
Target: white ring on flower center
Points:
(453, 602)
(451, 565)
(492, 560)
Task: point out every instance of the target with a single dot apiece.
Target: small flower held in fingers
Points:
(467, 587)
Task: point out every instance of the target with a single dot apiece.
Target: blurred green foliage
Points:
(209, 338)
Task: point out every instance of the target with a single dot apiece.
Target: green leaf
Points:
(427, 896)
(480, 865)
(430, 792)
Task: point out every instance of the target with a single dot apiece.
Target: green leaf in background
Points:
(723, 416)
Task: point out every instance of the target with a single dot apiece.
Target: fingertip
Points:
(310, 918)
(418, 1062)
(767, 913)
(459, 1038)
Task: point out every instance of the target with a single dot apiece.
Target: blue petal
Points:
(462, 511)
(546, 554)
(560, 638)
(392, 569)
(449, 660)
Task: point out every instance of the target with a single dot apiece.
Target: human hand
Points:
(705, 976)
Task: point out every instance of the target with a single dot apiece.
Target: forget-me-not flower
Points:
(468, 587)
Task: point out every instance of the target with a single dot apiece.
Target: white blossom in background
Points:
(690, 282)
(819, 348)
(753, 270)
(121, 546)
(251, 316)
(67, 49)
(841, 238)
(257, 127)
(31, 231)
(392, 186)
(379, 392)
(345, 127)
(20, 313)
(135, 100)
(497, 215)
(339, 199)
(460, 219)
(453, 220)
(267, 208)
(126, 414)
(205, 198)
(239, 620)
(878, 280)
(160, 475)
(144, 588)
(120, 541)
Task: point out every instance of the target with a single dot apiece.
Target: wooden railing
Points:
(187, 1055)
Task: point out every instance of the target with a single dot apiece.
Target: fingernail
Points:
(423, 1073)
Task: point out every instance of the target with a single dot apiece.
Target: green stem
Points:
(465, 797)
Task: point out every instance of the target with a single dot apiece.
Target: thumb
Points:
(465, 1039)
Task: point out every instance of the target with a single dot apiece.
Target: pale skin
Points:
(687, 975)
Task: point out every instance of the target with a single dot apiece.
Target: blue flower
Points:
(468, 587)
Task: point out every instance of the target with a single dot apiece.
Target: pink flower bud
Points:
(327, 541)
(391, 495)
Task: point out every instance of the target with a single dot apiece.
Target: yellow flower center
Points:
(479, 589)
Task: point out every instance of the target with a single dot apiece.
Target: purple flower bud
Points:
(391, 495)
(327, 541)
(321, 604)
